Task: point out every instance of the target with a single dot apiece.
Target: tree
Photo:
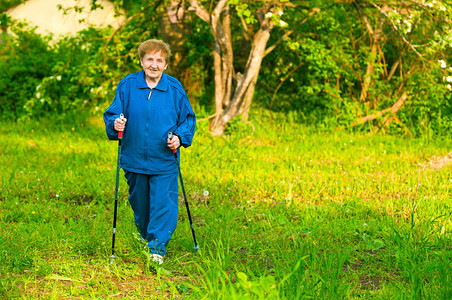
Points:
(341, 62)
(409, 36)
(234, 90)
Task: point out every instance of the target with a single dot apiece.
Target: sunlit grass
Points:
(281, 211)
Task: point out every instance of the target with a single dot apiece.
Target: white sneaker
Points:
(157, 258)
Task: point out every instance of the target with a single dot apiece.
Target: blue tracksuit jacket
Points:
(150, 114)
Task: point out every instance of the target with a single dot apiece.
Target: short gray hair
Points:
(154, 45)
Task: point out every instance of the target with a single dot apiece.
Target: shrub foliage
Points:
(348, 61)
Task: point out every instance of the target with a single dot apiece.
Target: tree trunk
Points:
(375, 40)
(219, 84)
(243, 93)
(173, 30)
(232, 100)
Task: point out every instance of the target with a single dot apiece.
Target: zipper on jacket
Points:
(147, 130)
(150, 92)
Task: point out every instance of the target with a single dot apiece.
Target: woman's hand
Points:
(120, 124)
(174, 143)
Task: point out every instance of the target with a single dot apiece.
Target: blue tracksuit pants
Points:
(154, 200)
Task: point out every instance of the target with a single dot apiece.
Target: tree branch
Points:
(364, 18)
(401, 35)
(199, 10)
(288, 33)
(282, 81)
(394, 109)
(247, 33)
(220, 7)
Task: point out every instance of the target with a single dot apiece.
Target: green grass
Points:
(282, 212)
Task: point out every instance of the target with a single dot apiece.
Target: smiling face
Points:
(153, 64)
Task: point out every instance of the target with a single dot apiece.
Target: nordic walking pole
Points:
(196, 247)
(112, 257)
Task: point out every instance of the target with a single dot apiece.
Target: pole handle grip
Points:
(120, 132)
(170, 136)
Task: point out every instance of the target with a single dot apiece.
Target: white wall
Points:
(49, 19)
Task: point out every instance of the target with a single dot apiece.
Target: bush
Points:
(26, 58)
(39, 76)
(7, 4)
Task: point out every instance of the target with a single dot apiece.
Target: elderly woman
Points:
(153, 104)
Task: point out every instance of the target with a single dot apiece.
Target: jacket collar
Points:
(161, 85)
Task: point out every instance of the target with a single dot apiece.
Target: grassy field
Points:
(280, 212)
